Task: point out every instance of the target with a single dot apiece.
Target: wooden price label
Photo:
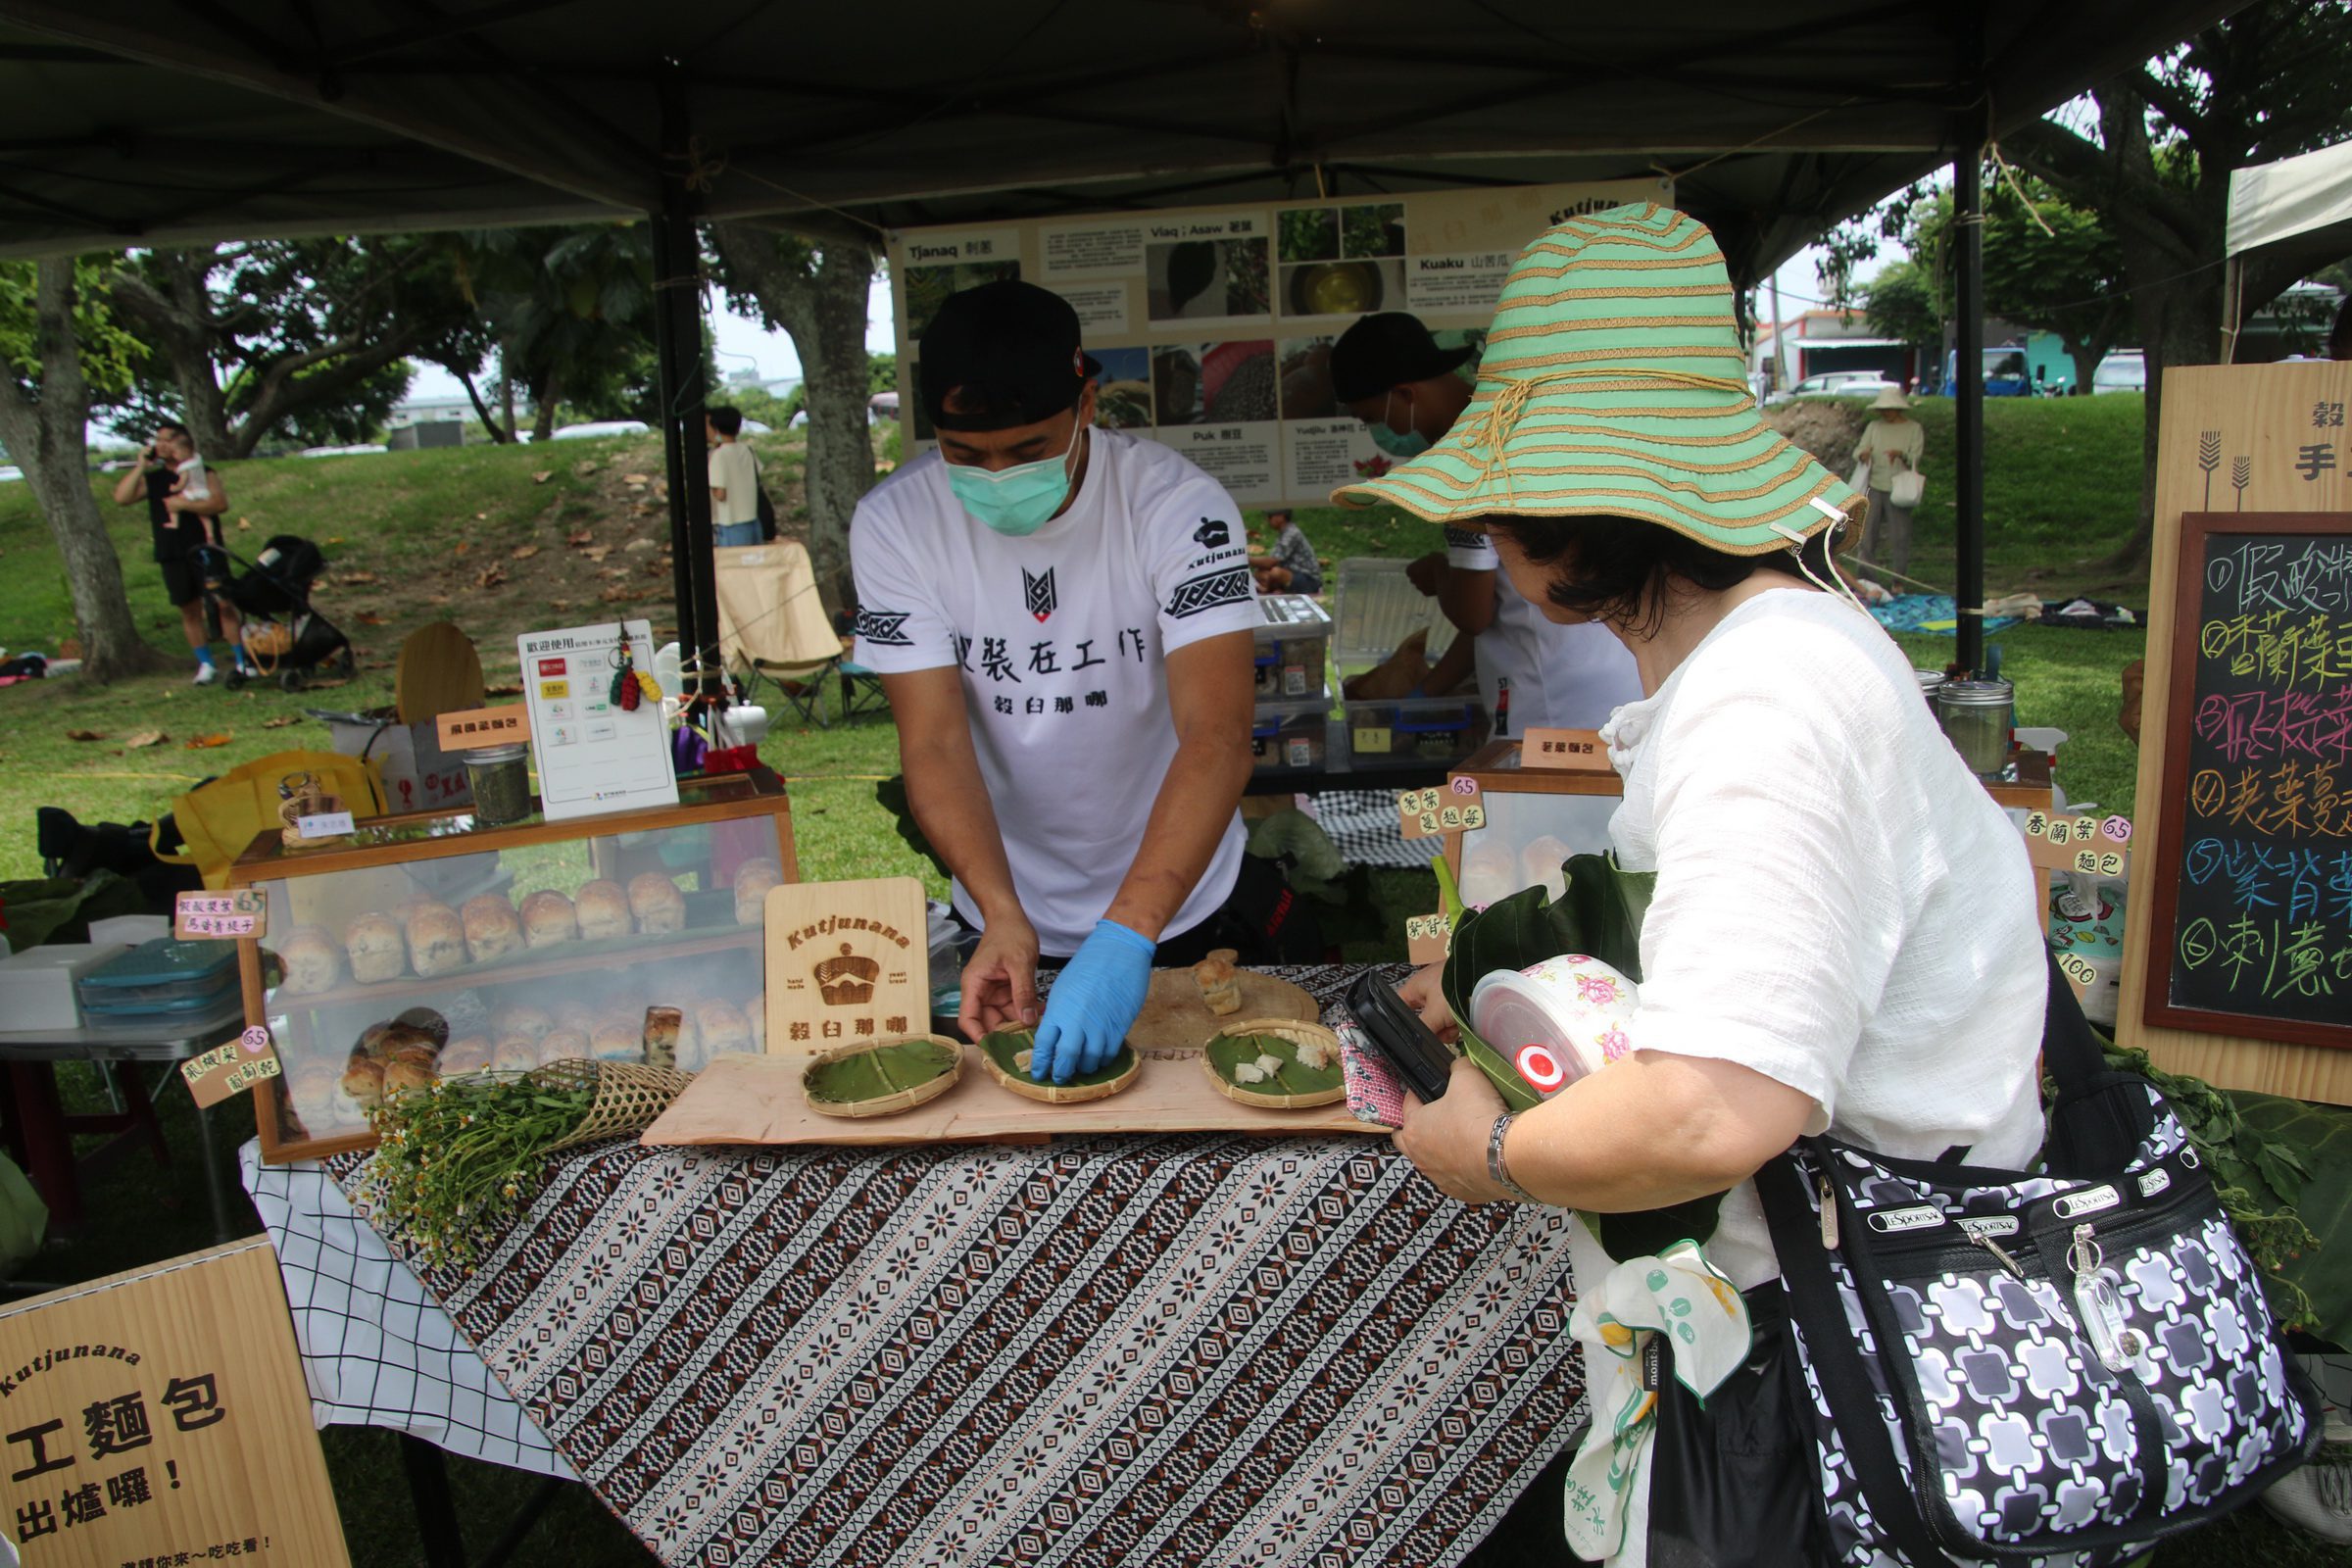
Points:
(504, 726)
(2083, 844)
(225, 1070)
(1426, 937)
(1577, 750)
(1423, 813)
(238, 913)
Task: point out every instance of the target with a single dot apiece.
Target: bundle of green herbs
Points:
(456, 1161)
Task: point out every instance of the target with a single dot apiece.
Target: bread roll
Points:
(521, 1019)
(617, 1041)
(408, 1077)
(753, 879)
(547, 919)
(562, 1045)
(491, 929)
(474, 1054)
(662, 1026)
(436, 940)
(516, 1054)
(378, 948)
(722, 1028)
(400, 1040)
(576, 1016)
(364, 1080)
(1220, 984)
(313, 1091)
(602, 908)
(313, 960)
(656, 903)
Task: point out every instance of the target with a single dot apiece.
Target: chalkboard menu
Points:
(2252, 868)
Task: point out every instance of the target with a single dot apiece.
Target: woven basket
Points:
(628, 1097)
(1297, 1033)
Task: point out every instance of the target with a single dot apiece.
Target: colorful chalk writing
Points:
(2261, 924)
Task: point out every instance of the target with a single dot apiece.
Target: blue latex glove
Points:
(1094, 1002)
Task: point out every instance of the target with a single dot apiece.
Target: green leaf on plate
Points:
(1293, 1077)
(878, 1071)
(1002, 1046)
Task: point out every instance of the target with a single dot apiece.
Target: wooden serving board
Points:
(1175, 1018)
(758, 1099)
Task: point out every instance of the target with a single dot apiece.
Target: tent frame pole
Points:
(1967, 390)
(679, 353)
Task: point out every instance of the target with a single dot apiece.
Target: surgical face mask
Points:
(1402, 445)
(1017, 501)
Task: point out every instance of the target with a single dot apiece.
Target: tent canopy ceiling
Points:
(2299, 209)
(147, 121)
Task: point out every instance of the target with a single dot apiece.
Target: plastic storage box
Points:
(161, 979)
(1290, 737)
(36, 986)
(1378, 608)
(1293, 649)
(1413, 731)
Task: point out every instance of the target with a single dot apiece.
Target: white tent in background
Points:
(2299, 209)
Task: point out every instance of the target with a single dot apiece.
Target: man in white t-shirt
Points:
(734, 479)
(1061, 618)
(1532, 672)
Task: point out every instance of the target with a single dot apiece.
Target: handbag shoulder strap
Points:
(2100, 1115)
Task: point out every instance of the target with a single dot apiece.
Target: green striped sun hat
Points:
(1613, 384)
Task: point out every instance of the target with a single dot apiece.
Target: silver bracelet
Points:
(1494, 1165)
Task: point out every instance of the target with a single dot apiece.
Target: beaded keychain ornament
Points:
(630, 685)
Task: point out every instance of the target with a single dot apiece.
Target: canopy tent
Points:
(2296, 210)
(142, 121)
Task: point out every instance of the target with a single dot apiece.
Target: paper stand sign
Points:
(160, 1416)
(237, 913)
(847, 962)
(596, 752)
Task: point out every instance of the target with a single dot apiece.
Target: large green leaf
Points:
(1599, 913)
(2316, 1258)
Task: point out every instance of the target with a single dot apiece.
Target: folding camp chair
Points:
(860, 691)
(772, 624)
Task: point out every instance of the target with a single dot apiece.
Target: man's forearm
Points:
(1189, 816)
(952, 806)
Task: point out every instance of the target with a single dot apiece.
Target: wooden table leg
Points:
(40, 1122)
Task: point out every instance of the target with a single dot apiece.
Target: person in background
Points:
(1532, 672)
(184, 503)
(1292, 566)
(1891, 444)
(734, 479)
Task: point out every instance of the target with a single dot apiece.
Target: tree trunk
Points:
(2179, 323)
(501, 434)
(820, 301)
(46, 438)
(546, 394)
(174, 316)
(2085, 358)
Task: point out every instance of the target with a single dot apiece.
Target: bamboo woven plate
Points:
(1317, 1086)
(890, 1062)
(996, 1055)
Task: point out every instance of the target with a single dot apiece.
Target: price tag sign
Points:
(229, 1069)
(238, 913)
(2081, 844)
(1577, 750)
(326, 825)
(1463, 788)
(508, 725)
(1423, 813)
(1426, 937)
(1372, 740)
(2079, 973)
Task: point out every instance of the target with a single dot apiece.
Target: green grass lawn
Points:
(2062, 490)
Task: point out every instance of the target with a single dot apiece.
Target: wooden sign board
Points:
(215, 1074)
(471, 729)
(2230, 972)
(161, 1414)
(1579, 750)
(846, 962)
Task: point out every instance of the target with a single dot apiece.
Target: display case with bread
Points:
(428, 947)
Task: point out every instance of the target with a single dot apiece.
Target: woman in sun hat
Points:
(1891, 445)
(1842, 935)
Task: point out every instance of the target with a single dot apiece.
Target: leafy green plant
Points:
(455, 1162)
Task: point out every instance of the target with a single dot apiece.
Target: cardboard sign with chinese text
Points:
(508, 725)
(1577, 750)
(1428, 937)
(1421, 813)
(163, 1412)
(237, 913)
(846, 962)
(229, 1069)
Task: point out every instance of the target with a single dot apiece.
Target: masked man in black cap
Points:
(1061, 617)
(1532, 672)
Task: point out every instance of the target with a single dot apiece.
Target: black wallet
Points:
(1397, 1033)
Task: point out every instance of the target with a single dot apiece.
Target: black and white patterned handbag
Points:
(2055, 1366)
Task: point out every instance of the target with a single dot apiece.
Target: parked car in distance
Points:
(2124, 371)
(601, 427)
(1834, 384)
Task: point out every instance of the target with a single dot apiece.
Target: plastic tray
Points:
(161, 976)
(1293, 649)
(1290, 737)
(1378, 608)
(1413, 731)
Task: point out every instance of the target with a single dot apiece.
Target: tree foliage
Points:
(570, 314)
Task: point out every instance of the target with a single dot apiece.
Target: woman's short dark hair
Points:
(1621, 570)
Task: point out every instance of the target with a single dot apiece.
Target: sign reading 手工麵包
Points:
(1213, 327)
(2252, 931)
(161, 1416)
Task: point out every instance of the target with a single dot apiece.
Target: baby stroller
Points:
(285, 637)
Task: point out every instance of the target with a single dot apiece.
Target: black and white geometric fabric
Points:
(1364, 828)
(2081, 1365)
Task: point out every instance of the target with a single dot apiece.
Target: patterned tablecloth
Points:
(1194, 1349)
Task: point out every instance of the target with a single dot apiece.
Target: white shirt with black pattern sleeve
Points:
(1062, 639)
